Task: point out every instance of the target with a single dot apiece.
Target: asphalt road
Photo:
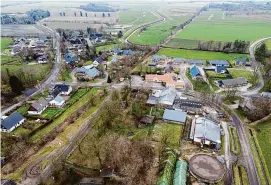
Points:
(246, 151)
(256, 65)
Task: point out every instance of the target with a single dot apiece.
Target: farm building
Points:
(64, 89)
(242, 62)
(206, 132)
(58, 101)
(169, 79)
(9, 123)
(219, 63)
(175, 116)
(233, 82)
(195, 62)
(164, 97)
(38, 107)
(195, 73)
(188, 106)
(180, 173)
(220, 69)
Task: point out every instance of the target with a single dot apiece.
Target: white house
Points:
(58, 101)
(42, 60)
(38, 107)
(9, 123)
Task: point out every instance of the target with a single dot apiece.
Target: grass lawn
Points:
(236, 73)
(183, 43)
(63, 116)
(263, 136)
(5, 41)
(50, 113)
(201, 55)
(154, 34)
(234, 141)
(172, 131)
(228, 29)
(39, 71)
(106, 47)
(67, 76)
(198, 85)
(44, 95)
(23, 109)
(268, 44)
(88, 63)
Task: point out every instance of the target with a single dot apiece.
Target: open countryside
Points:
(135, 93)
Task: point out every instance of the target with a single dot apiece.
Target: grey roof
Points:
(266, 94)
(167, 96)
(207, 129)
(39, 105)
(11, 120)
(234, 82)
(195, 62)
(219, 62)
(178, 60)
(7, 182)
(174, 115)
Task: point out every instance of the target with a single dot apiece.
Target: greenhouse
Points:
(166, 174)
(180, 173)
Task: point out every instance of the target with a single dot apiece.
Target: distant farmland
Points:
(201, 55)
(154, 34)
(212, 25)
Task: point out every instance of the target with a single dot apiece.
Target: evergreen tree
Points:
(103, 15)
(16, 84)
(109, 79)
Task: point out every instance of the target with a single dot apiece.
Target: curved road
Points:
(256, 65)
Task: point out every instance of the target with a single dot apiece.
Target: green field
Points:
(228, 29)
(128, 17)
(106, 47)
(183, 43)
(198, 85)
(268, 44)
(5, 41)
(236, 73)
(50, 113)
(201, 55)
(174, 131)
(154, 34)
(263, 136)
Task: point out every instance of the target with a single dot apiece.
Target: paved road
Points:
(256, 65)
(53, 77)
(246, 151)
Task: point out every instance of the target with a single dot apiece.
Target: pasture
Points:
(201, 55)
(268, 44)
(5, 41)
(154, 34)
(217, 26)
(127, 17)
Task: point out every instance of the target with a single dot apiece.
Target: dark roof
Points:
(11, 120)
(195, 62)
(219, 62)
(190, 103)
(234, 82)
(39, 105)
(62, 87)
(174, 115)
(55, 92)
(194, 71)
(147, 119)
(127, 52)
